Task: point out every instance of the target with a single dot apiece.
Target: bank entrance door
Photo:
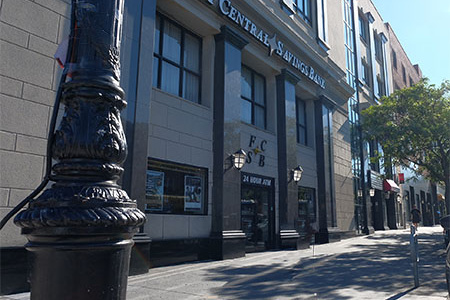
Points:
(257, 216)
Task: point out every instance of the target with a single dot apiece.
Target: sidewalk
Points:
(367, 267)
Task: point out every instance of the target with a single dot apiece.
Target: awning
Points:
(391, 186)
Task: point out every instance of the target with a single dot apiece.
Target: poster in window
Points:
(154, 191)
(193, 193)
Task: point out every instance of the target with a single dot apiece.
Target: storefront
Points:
(378, 201)
(391, 190)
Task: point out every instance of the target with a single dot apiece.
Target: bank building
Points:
(237, 124)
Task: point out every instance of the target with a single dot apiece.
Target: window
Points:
(380, 82)
(175, 189)
(253, 94)
(411, 82)
(322, 30)
(301, 123)
(306, 209)
(300, 7)
(304, 9)
(177, 60)
(378, 50)
(365, 72)
(404, 74)
(394, 59)
(363, 29)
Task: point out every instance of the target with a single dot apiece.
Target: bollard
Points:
(414, 254)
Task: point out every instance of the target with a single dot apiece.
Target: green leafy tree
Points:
(413, 127)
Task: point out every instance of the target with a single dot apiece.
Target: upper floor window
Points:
(304, 9)
(378, 49)
(253, 94)
(177, 60)
(365, 72)
(381, 88)
(322, 22)
(301, 122)
(394, 59)
(411, 82)
(404, 74)
(301, 7)
(363, 29)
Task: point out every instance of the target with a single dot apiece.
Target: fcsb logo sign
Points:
(256, 152)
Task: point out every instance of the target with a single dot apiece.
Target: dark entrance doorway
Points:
(257, 212)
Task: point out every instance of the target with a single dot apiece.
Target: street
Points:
(365, 267)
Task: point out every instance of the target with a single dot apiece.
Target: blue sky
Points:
(423, 28)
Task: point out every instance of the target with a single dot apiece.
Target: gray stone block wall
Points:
(30, 32)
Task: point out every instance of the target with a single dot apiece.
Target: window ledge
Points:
(258, 128)
(200, 105)
(324, 45)
(365, 43)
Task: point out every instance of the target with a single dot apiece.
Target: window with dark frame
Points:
(301, 122)
(304, 9)
(394, 59)
(363, 29)
(177, 60)
(378, 49)
(173, 188)
(380, 83)
(365, 72)
(301, 7)
(253, 97)
(404, 74)
(307, 205)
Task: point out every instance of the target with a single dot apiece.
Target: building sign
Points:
(401, 178)
(274, 45)
(256, 150)
(257, 180)
(376, 182)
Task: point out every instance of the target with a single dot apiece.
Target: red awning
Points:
(391, 186)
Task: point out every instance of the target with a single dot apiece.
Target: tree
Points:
(413, 127)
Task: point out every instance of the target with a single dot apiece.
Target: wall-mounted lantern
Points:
(239, 158)
(297, 173)
(371, 192)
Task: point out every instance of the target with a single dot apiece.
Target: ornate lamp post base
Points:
(80, 230)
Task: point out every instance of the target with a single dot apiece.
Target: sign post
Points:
(414, 254)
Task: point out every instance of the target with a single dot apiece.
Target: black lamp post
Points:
(80, 229)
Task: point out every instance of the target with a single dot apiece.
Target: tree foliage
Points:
(413, 127)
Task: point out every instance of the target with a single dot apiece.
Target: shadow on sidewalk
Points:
(398, 296)
(383, 267)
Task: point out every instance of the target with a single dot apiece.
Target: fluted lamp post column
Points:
(80, 229)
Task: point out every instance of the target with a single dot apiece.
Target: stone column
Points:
(227, 239)
(287, 158)
(137, 73)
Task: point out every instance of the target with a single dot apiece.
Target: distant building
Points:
(416, 190)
